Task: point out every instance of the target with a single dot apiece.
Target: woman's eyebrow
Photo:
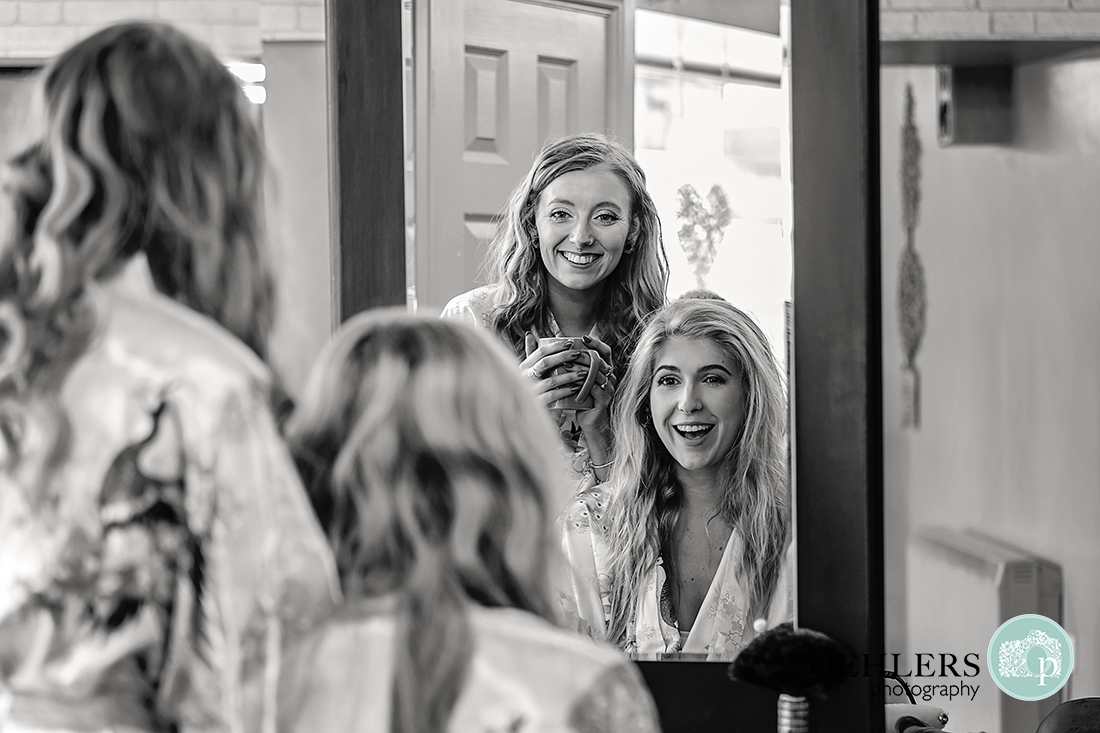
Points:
(705, 368)
(601, 204)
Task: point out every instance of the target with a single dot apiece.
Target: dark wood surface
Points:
(699, 697)
(367, 138)
(837, 336)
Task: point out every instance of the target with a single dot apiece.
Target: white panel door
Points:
(504, 77)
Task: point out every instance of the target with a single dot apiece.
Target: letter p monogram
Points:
(1043, 674)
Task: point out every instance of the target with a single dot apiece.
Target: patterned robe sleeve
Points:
(781, 609)
(583, 595)
(618, 702)
(259, 569)
(470, 308)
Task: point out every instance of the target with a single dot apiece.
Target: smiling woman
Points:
(578, 261)
(686, 546)
(584, 230)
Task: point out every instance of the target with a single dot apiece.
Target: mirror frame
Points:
(838, 343)
(837, 359)
(366, 154)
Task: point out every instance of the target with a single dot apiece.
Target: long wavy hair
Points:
(144, 143)
(431, 469)
(634, 289)
(754, 476)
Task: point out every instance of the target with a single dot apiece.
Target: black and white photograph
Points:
(549, 366)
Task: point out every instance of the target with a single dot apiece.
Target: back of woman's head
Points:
(142, 141)
(427, 460)
(636, 287)
(149, 145)
(754, 475)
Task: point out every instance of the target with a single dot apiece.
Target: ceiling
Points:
(756, 15)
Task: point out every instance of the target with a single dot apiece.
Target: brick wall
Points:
(36, 29)
(293, 20)
(990, 19)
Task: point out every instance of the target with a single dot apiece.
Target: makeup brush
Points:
(797, 663)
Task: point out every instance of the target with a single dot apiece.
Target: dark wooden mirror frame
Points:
(837, 390)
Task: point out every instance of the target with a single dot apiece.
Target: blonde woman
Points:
(686, 545)
(429, 465)
(578, 260)
(156, 545)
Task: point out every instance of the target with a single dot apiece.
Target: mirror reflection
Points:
(565, 260)
(678, 554)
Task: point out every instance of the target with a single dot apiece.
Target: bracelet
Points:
(593, 466)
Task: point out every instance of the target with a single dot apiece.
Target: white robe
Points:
(719, 632)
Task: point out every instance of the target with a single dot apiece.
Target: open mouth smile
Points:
(693, 431)
(577, 258)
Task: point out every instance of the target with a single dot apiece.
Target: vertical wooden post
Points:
(838, 350)
(366, 128)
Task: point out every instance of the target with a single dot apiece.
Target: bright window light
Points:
(251, 76)
(248, 73)
(255, 93)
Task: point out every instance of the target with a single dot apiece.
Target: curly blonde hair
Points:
(430, 467)
(634, 289)
(755, 476)
(147, 145)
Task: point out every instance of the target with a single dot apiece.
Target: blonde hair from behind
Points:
(149, 146)
(433, 471)
(143, 143)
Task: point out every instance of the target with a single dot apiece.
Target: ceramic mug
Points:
(583, 399)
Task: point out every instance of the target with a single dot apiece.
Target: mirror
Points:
(705, 106)
(836, 373)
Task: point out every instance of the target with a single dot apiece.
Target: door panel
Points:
(515, 73)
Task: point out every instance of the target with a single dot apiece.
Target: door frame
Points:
(837, 391)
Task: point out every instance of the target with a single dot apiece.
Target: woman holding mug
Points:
(575, 268)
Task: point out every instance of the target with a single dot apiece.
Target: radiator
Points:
(961, 586)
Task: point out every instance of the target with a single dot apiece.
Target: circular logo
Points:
(1030, 657)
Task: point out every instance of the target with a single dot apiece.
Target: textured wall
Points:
(234, 28)
(990, 19)
(1010, 363)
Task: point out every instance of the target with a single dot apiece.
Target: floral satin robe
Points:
(525, 676)
(722, 627)
(173, 551)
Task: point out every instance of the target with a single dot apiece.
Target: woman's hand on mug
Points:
(543, 359)
(603, 388)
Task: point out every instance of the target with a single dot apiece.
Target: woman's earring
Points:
(631, 245)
